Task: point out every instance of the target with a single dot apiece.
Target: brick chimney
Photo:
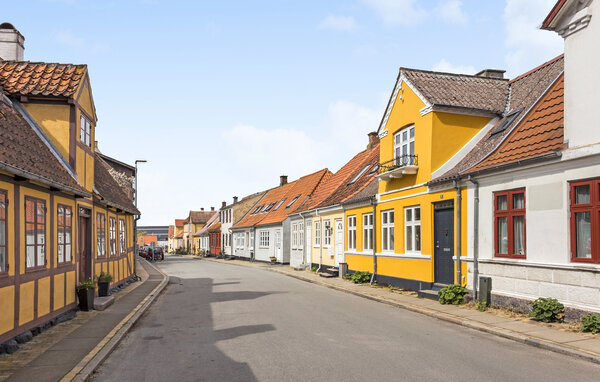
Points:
(491, 73)
(202, 209)
(212, 208)
(12, 43)
(235, 199)
(223, 204)
(282, 180)
(373, 140)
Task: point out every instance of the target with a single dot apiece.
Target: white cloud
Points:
(338, 23)
(348, 125)
(451, 12)
(402, 12)
(445, 66)
(527, 45)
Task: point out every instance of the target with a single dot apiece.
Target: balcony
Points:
(398, 167)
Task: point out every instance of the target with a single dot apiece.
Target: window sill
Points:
(64, 264)
(38, 268)
(410, 256)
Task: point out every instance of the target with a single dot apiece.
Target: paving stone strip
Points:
(66, 354)
(574, 344)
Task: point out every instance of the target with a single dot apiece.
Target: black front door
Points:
(85, 246)
(443, 243)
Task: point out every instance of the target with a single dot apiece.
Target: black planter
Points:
(86, 299)
(102, 288)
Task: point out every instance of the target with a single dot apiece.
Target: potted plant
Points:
(104, 280)
(85, 294)
(273, 259)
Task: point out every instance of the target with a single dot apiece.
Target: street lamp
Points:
(135, 252)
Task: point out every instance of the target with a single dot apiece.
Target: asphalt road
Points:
(230, 323)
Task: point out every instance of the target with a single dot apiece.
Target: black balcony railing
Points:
(401, 161)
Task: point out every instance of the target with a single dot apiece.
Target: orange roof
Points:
(215, 227)
(540, 132)
(171, 231)
(40, 78)
(279, 198)
(204, 230)
(147, 239)
(179, 222)
(338, 187)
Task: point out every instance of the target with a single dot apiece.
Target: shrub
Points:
(105, 277)
(482, 305)
(313, 269)
(547, 310)
(590, 323)
(360, 277)
(87, 284)
(452, 294)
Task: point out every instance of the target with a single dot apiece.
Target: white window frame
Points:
(368, 232)
(85, 131)
(326, 233)
(251, 243)
(317, 234)
(413, 223)
(402, 145)
(387, 225)
(300, 235)
(294, 236)
(264, 237)
(352, 233)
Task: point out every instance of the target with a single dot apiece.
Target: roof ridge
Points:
(40, 62)
(530, 72)
(474, 76)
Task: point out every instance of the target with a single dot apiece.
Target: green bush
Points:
(482, 305)
(87, 284)
(105, 277)
(452, 294)
(590, 323)
(360, 277)
(547, 310)
(313, 269)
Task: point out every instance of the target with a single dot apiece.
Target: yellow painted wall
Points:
(89, 171)
(59, 290)
(321, 254)
(80, 165)
(54, 119)
(358, 212)
(43, 296)
(26, 298)
(7, 306)
(71, 287)
(86, 102)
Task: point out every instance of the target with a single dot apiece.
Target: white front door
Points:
(339, 242)
(278, 244)
(308, 246)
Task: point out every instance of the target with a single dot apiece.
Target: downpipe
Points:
(320, 241)
(458, 233)
(374, 274)
(475, 238)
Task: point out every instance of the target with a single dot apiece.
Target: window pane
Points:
(502, 236)
(582, 194)
(518, 201)
(404, 136)
(30, 256)
(68, 217)
(519, 235)
(412, 132)
(61, 216)
(391, 238)
(40, 254)
(2, 232)
(501, 202)
(2, 206)
(584, 235)
(391, 216)
(2, 259)
(384, 216)
(40, 213)
(68, 252)
(409, 246)
(418, 214)
(417, 238)
(29, 212)
(61, 255)
(409, 215)
(385, 239)
(30, 234)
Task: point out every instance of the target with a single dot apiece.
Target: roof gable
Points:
(108, 189)
(26, 78)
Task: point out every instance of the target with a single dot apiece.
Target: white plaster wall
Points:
(296, 254)
(264, 254)
(242, 252)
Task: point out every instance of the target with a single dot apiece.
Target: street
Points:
(222, 322)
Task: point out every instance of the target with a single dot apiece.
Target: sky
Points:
(223, 97)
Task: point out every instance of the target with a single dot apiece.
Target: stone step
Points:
(327, 275)
(101, 303)
(429, 294)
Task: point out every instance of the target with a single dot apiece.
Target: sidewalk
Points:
(529, 332)
(81, 344)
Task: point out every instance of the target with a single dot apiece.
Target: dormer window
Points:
(292, 202)
(279, 204)
(85, 131)
(359, 174)
(404, 146)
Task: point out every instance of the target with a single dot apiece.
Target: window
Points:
(268, 207)
(300, 235)
(65, 227)
(367, 232)
(352, 233)
(113, 236)
(122, 236)
(585, 221)
(101, 234)
(387, 230)
(509, 223)
(412, 229)
(251, 241)
(85, 128)
(257, 209)
(292, 202)
(279, 204)
(294, 235)
(264, 239)
(360, 173)
(317, 233)
(404, 146)
(326, 233)
(35, 228)
(3, 230)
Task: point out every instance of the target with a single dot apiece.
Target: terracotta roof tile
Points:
(204, 230)
(369, 191)
(460, 90)
(171, 231)
(539, 133)
(302, 188)
(179, 222)
(40, 78)
(23, 152)
(108, 188)
(200, 217)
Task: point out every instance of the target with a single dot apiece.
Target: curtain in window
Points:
(519, 235)
(584, 235)
(502, 235)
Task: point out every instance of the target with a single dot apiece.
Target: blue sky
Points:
(222, 97)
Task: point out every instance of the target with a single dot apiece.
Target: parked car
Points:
(143, 251)
(159, 253)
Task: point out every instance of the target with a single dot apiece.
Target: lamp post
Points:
(135, 251)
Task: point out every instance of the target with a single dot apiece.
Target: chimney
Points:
(212, 208)
(373, 140)
(282, 180)
(235, 199)
(492, 73)
(202, 209)
(12, 43)
(223, 204)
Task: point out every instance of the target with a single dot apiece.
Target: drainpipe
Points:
(320, 242)
(253, 255)
(458, 236)
(303, 244)
(475, 238)
(374, 274)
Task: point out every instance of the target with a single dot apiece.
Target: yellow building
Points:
(64, 215)
(431, 122)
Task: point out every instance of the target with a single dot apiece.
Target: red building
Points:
(214, 239)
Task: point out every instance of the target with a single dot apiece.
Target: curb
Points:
(84, 369)
(508, 334)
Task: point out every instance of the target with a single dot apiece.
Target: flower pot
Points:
(86, 299)
(103, 288)
(273, 259)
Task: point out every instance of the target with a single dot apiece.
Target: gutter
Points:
(458, 233)
(320, 242)
(475, 239)
(374, 274)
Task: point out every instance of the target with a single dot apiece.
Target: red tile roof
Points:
(200, 217)
(540, 132)
(109, 190)
(301, 188)
(171, 231)
(204, 230)
(179, 222)
(41, 78)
